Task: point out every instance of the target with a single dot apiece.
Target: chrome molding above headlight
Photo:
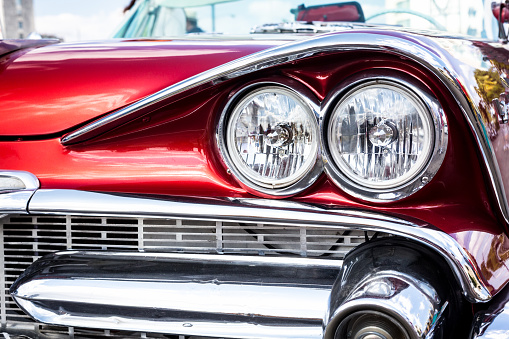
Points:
(268, 137)
(384, 139)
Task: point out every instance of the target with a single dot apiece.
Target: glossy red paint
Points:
(73, 83)
(165, 152)
(173, 151)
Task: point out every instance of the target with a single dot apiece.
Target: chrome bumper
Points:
(212, 295)
(219, 295)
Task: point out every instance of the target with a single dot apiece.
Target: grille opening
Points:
(27, 238)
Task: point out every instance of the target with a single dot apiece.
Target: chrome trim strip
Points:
(17, 201)
(292, 214)
(219, 258)
(11, 45)
(153, 292)
(492, 325)
(426, 52)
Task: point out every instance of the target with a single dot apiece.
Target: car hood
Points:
(51, 89)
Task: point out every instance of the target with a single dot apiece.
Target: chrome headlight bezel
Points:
(311, 171)
(393, 191)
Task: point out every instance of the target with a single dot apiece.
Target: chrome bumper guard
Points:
(222, 295)
(212, 295)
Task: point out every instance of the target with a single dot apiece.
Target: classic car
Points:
(351, 184)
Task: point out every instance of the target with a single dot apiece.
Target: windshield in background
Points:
(165, 18)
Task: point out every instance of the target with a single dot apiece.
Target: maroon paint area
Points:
(330, 13)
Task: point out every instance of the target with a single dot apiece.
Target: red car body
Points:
(166, 147)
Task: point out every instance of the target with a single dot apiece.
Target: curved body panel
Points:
(169, 148)
(74, 83)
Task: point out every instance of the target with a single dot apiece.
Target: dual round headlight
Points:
(270, 141)
(382, 140)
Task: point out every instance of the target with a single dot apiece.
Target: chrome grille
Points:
(25, 238)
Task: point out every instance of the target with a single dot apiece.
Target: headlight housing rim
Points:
(312, 171)
(428, 169)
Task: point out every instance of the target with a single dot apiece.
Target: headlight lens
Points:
(272, 138)
(381, 135)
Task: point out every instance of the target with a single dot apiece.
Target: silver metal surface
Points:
(412, 303)
(368, 324)
(427, 52)
(29, 180)
(421, 178)
(234, 296)
(26, 238)
(307, 179)
(11, 45)
(16, 201)
(67, 202)
(309, 27)
(493, 325)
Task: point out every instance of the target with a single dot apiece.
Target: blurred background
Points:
(75, 20)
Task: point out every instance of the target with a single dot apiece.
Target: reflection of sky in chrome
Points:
(498, 329)
(97, 19)
(415, 308)
(188, 296)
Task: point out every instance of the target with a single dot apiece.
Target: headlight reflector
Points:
(272, 138)
(381, 135)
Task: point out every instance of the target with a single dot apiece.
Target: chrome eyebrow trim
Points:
(254, 62)
(420, 48)
(291, 214)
